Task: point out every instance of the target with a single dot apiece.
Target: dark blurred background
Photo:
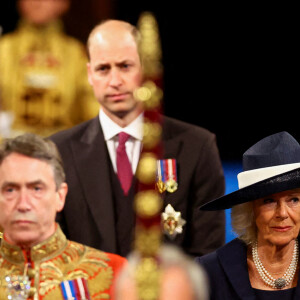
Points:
(231, 68)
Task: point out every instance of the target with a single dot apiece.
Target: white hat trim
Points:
(253, 176)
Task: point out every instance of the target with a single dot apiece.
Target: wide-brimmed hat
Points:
(270, 166)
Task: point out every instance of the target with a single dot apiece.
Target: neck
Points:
(27, 244)
(273, 267)
(38, 252)
(55, 25)
(274, 256)
(123, 119)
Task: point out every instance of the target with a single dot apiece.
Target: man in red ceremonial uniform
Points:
(36, 259)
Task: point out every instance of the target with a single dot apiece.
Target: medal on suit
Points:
(160, 183)
(167, 175)
(172, 221)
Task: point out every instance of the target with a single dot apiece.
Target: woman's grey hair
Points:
(34, 146)
(171, 256)
(243, 223)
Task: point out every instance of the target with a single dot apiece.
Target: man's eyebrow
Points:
(98, 65)
(38, 181)
(5, 183)
(12, 183)
(9, 183)
(125, 61)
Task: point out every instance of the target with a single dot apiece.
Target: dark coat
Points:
(88, 215)
(228, 273)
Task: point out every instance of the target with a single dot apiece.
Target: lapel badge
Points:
(172, 221)
(167, 175)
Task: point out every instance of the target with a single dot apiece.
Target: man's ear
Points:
(61, 196)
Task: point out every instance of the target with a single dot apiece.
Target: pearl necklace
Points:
(288, 276)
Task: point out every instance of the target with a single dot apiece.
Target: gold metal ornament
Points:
(148, 240)
(148, 203)
(160, 186)
(171, 186)
(172, 222)
(146, 170)
(150, 45)
(149, 94)
(148, 279)
(152, 134)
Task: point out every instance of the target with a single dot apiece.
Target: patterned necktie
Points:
(124, 170)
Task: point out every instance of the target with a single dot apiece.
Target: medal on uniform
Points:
(160, 183)
(76, 289)
(18, 287)
(167, 175)
(172, 221)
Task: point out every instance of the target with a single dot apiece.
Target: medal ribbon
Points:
(75, 289)
(171, 170)
(161, 170)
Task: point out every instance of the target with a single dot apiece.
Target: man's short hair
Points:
(131, 28)
(34, 146)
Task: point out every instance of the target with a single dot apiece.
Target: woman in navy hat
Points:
(262, 262)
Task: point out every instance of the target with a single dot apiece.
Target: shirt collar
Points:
(111, 129)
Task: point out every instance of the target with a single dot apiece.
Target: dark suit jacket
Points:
(228, 273)
(88, 215)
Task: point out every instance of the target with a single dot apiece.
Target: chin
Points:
(282, 241)
(25, 239)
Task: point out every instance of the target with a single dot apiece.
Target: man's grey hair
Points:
(172, 256)
(34, 146)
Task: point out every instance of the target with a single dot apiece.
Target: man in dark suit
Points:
(97, 211)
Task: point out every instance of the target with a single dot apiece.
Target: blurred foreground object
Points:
(148, 202)
(43, 80)
(6, 120)
(150, 48)
(181, 278)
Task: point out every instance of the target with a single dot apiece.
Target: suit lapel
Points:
(171, 147)
(92, 163)
(231, 257)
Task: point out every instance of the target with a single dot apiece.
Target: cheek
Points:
(5, 211)
(135, 79)
(296, 219)
(98, 83)
(262, 222)
(138, 79)
(5, 220)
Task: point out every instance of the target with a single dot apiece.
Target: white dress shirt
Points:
(133, 144)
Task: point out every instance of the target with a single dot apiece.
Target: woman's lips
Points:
(281, 228)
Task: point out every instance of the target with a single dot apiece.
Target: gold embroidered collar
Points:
(51, 247)
(53, 27)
